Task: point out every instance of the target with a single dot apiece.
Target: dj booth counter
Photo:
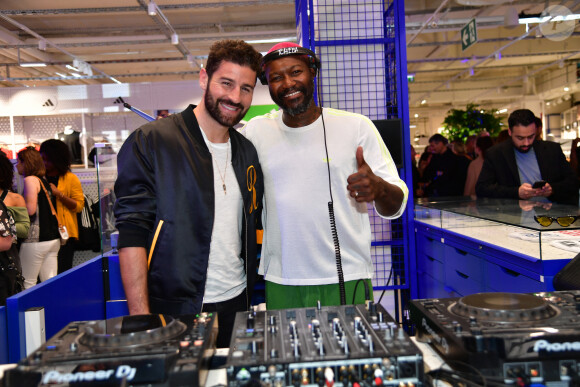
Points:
(79, 294)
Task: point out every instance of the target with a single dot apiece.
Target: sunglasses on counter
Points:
(563, 221)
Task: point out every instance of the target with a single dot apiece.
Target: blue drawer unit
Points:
(430, 265)
(463, 271)
(429, 244)
(502, 279)
(431, 287)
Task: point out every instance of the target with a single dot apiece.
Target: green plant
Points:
(459, 124)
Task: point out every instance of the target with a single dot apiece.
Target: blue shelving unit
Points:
(362, 49)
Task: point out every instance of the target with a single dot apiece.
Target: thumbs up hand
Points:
(363, 185)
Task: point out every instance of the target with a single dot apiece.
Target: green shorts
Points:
(289, 296)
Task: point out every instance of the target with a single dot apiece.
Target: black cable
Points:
(367, 291)
(341, 289)
(387, 284)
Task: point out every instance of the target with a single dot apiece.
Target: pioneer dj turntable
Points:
(517, 337)
(152, 350)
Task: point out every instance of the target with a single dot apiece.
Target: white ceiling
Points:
(120, 40)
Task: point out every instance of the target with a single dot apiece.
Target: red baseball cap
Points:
(283, 45)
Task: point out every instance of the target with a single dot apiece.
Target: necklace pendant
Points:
(224, 187)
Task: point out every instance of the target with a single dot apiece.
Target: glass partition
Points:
(537, 230)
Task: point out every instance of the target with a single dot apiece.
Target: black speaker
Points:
(568, 278)
(314, 62)
(391, 131)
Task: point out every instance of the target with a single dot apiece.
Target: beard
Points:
(291, 107)
(214, 111)
(523, 148)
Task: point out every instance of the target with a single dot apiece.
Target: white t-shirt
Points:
(226, 277)
(298, 247)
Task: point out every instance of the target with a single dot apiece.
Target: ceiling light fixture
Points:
(152, 8)
(566, 88)
(42, 45)
(33, 64)
(72, 68)
(174, 39)
(558, 18)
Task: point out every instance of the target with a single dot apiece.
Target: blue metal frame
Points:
(395, 87)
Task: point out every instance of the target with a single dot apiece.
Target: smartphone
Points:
(539, 184)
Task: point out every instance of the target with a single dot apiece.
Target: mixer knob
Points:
(254, 347)
(272, 320)
(273, 354)
(250, 322)
(272, 329)
(458, 328)
(243, 374)
(381, 317)
(472, 320)
(74, 347)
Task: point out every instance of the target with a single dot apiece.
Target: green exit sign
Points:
(468, 35)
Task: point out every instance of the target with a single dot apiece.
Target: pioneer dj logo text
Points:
(435, 336)
(543, 345)
(123, 372)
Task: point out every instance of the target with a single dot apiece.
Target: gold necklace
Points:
(225, 168)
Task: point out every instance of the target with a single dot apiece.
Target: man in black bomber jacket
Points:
(189, 191)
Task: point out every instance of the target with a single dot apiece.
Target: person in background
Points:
(7, 239)
(470, 147)
(540, 128)
(189, 192)
(415, 171)
(38, 253)
(512, 168)
(482, 144)
(66, 188)
(502, 136)
(312, 156)
(575, 156)
(445, 174)
(13, 201)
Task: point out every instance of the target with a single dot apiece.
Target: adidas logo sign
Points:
(48, 103)
(119, 100)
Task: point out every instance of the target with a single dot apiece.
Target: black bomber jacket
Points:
(165, 203)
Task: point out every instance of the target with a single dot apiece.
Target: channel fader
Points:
(334, 346)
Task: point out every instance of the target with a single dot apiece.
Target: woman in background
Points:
(482, 144)
(7, 237)
(15, 202)
(38, 253)
(66, 187)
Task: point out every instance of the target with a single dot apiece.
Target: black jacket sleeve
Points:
(135, 190)
(496, 180)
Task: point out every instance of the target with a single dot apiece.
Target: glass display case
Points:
(466, 246)
(533, 230)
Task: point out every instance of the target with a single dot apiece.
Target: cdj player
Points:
(325, 346)
(519, 339)
(144, 350)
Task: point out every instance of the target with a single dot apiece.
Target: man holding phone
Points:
(526, 167)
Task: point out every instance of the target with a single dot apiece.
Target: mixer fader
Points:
(336, 345)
